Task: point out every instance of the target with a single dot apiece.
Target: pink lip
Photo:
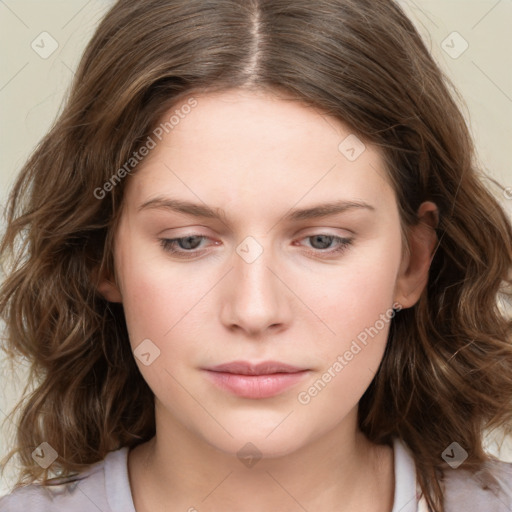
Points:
(263, 368)
(261, 380)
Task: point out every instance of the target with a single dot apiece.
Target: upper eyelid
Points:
(310, 231)
(306, 235)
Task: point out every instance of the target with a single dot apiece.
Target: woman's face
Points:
(291, 253)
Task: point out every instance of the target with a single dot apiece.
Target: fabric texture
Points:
(105, 487)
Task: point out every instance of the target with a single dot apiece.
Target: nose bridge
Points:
(255, 281)
(256, 298)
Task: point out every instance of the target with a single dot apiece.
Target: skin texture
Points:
(255, 157)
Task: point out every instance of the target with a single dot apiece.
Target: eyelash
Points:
(169, 246)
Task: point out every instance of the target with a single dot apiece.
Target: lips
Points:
(263, 368)
(256, 381)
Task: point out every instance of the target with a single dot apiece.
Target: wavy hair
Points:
(446, 374)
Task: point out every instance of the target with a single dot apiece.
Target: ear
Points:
(413, 273)
(107, 287)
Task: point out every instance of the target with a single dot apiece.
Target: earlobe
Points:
(107, 288)
(110, 291)
(414, 269)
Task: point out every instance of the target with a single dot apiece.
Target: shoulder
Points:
(83, 492)
(489, 488)
(45, 498)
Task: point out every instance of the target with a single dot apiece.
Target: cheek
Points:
(355, 302)
(152, 291)
(353, 295)
(158, 302)
(352, 355)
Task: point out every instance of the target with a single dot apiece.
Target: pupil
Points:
(325, 241)
(185, 242)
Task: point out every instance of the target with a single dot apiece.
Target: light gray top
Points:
(105, 487)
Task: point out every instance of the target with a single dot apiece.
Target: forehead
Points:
(255, 150)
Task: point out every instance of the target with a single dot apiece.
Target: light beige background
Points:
(32, 89)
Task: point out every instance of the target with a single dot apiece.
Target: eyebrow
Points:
(294, 214)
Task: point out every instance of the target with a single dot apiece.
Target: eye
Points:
(322, 243)
(185, 246)
(190, 246)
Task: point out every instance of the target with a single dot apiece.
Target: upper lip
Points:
(247, 368)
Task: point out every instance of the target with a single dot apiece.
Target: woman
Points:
(259, 271)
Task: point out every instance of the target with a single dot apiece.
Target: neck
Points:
(339, 471)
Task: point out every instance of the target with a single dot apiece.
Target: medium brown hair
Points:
(446, 374)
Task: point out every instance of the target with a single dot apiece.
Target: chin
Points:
(257, 441)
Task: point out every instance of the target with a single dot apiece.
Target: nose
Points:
(255, 299)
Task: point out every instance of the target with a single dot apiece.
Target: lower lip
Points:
(256, 386)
